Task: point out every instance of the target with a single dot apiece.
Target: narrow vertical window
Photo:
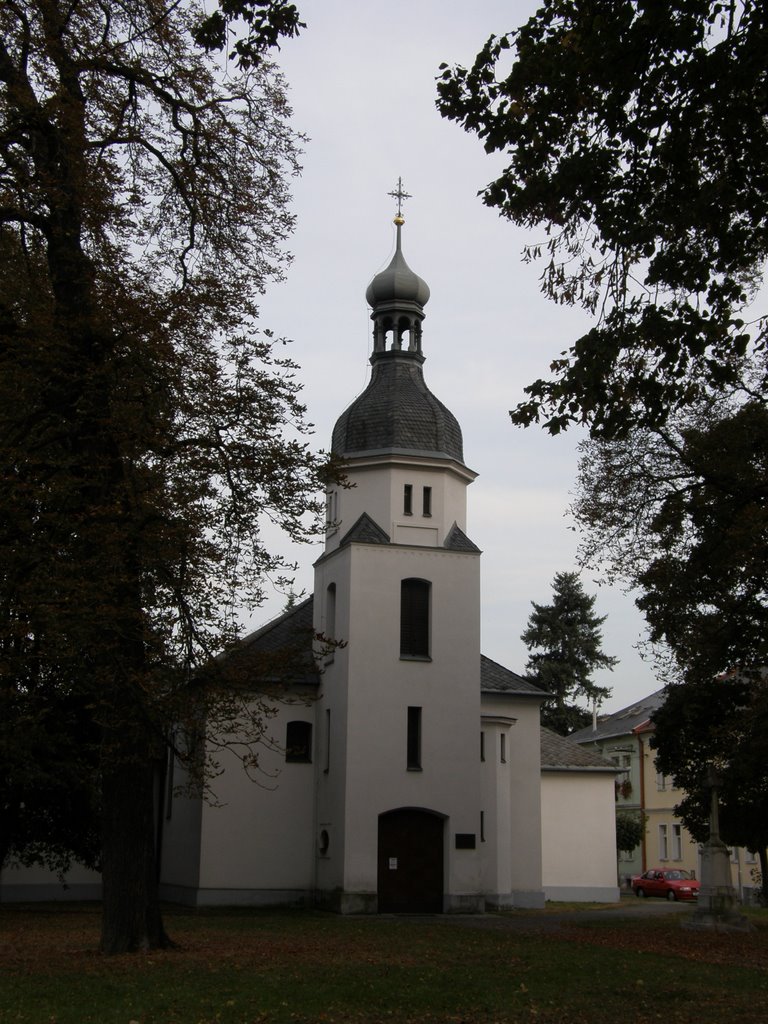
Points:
(663, 843)
(482, 746)
(330, 620)
(413, 745)
(408, 499)
(427, 501)
(482, 826)
(503, 749)
(298, 742)
(327, 741)
(414, 618)
(677, 842)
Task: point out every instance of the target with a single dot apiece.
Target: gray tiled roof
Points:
(398, 412)
(494, 678)
(365, 531)
(622, 722)
(560, 753)
(281, 650)
(457, 540)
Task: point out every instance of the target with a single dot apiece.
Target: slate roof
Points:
(281, 650)
(457, 540)
(622, 722)
(365, 531)
(397, 413)
(494, 678)
(560, 753)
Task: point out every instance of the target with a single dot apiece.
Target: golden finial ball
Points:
(399, 220)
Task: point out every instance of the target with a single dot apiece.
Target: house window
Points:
(408, 500)
(663, 843)
(482, 826)
(482, 746)
(327, 741)
(503, 749)
(414, 618)
(413, 745)
(427, 501)
(298, 742)
(677, 842)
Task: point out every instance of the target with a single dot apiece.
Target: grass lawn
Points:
(248, 967)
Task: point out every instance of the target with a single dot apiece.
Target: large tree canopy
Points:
(636, 135)
(719, 723)
(681, 516)
(147, 430)
(566, 643)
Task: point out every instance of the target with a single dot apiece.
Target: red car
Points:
(670, 883)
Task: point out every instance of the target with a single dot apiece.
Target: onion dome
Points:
(398, 283)
(397, 413)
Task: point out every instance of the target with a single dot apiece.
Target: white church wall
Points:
(256, 833)
(381, 688)
(31, 884)
(378, 490)
(578, 822)
(331, 718)
(523, 759)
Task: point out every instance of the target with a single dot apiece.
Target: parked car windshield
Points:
(677, 875)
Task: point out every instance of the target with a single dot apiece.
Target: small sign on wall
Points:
(465, 841)
(393, 863)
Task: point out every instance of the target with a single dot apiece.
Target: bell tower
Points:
(398, 779)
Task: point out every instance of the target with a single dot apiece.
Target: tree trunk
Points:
(763, 855)
(131, 918)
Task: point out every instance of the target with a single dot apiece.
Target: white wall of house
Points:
(578, 827)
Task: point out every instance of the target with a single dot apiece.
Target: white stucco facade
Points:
(578, 835)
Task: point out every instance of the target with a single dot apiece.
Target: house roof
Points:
(560, 753)
(622, 722)
(494, 678)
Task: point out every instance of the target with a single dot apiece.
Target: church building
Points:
(410, 779)
(402, 770)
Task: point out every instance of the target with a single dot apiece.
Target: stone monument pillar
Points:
(717, 905)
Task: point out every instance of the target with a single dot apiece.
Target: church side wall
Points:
(523, 852)
(331, 713)
(20, 884)
(256, 845)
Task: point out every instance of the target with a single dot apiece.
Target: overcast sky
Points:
(362, 86)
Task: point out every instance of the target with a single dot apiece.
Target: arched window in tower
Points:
(414, 618)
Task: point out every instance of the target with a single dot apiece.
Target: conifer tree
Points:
(566, 642)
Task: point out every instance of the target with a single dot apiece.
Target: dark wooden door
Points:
(410, 862)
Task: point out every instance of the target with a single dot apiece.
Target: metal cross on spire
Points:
(400, 195)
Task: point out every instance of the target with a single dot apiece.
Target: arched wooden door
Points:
(410, 862)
